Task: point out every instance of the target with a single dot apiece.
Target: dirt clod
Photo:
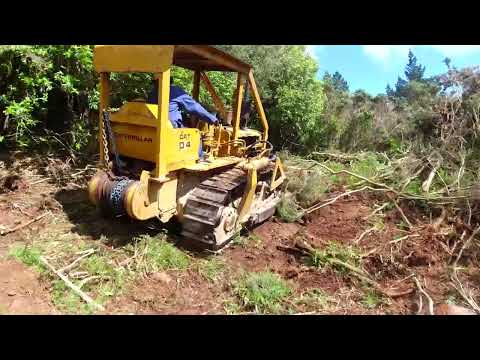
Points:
(161, 277)
(12, 183)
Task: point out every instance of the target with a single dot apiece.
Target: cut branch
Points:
(74, 263)
(404, 217)
(72, 286)
(430, 301)
(21, 226)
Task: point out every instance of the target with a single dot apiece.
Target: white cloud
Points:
(385, 53)
(456, 50)
(313, 50)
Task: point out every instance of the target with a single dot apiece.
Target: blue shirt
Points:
(180, 100)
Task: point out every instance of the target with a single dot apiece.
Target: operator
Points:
(180, 100)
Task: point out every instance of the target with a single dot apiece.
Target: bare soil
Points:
(21, 292)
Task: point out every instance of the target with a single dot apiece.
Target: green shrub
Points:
(313, 190)
(262, 292)
(288, 211)
(323, 258)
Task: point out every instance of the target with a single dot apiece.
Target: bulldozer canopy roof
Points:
(158, 58)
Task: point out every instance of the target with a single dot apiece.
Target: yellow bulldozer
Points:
(153, 170)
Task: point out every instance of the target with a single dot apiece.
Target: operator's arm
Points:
(194, 108)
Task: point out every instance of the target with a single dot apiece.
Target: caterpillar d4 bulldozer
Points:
(153, 170)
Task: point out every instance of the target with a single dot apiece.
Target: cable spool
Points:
(116, 197)
(108, 194)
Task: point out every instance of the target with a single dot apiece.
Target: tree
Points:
(400, 87)
(339, 83)
(447, 61)
(413, 71)
(389, 91)
(335, 81)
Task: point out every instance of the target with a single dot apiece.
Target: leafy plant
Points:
(262, 292)
(313, 190)
(372, 299)
(323, 258)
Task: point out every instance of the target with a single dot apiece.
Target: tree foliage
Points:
(413, 70)
(46, 88)
(293, 97)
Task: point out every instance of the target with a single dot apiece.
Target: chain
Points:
(108, 130)
(105, 142)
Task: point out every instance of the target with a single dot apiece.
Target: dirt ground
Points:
(390, 261)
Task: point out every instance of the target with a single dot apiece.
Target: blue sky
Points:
(372, 67)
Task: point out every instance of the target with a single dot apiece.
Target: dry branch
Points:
(465, 245)
(359, 273)
(76, 261)
(72, 286)
(331, 201)
(436, 224)
(333, 172)
(363, 234)
(404, 217)
(40, 181)
(430, 301)
(376, 210)
(21, 226)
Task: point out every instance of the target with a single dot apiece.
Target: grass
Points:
(262, 292)
(295, 183)
(211, 269)
(324, 258)
(414, 187)
(238, 239)
(315, 299)
(156, 254)
(379, 224)
(244, 241)
(29, 255)
(110, 282)
(335, 166)
(63, 297)
(151, 255)
(65, 300)
(232, 307)
(367, 167)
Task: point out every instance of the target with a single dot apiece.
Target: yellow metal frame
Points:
(158, 60)
(278, 175)
(132, 58)
(216, 99)
(143, 131)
